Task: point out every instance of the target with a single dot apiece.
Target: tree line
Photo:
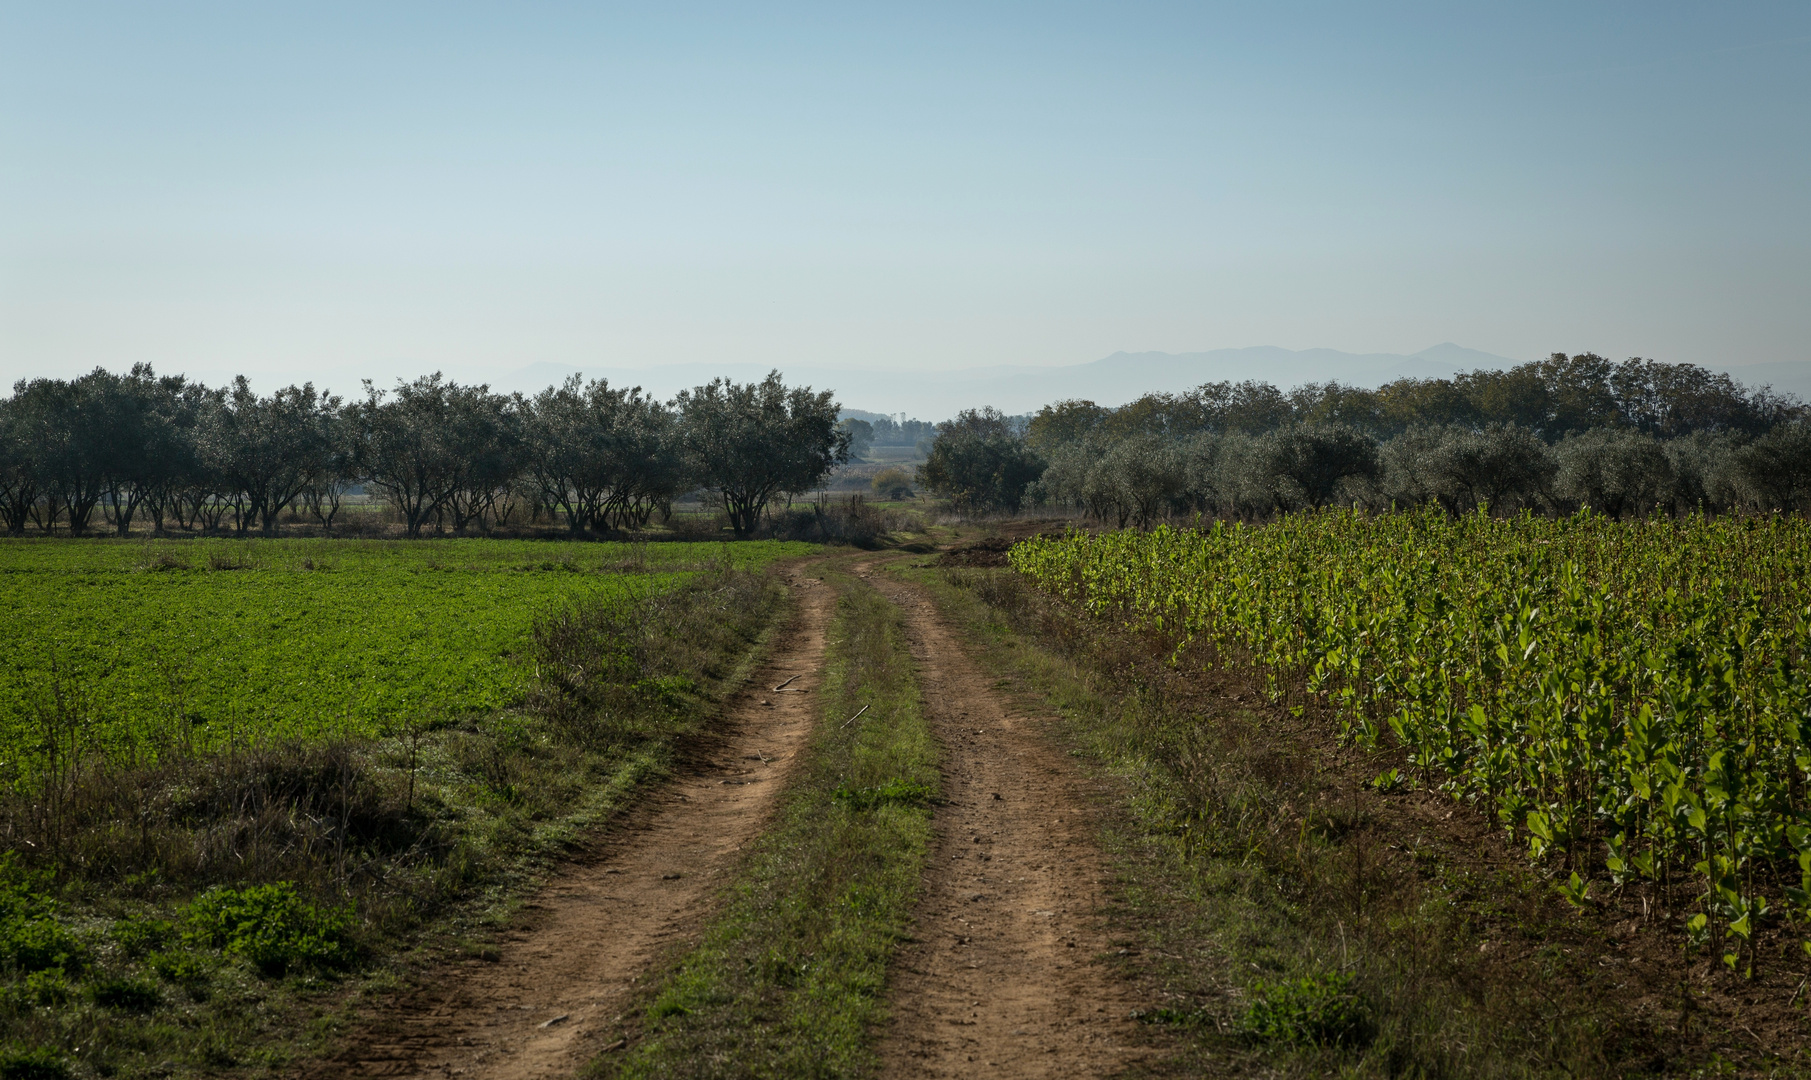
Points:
(1552, 436)
(106, 450)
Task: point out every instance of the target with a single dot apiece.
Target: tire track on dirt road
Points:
(1005, 974)
(571, 969)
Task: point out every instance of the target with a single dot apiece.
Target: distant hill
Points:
(1112, 380)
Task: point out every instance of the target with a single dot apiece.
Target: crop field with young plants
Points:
(123, 647)
(1629, 698)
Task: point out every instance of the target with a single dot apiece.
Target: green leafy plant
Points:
(31, 939)
(1390, 780)
(183, 969)
(48, 988)
(34, 1063)
(1576, 890)
(140, 936)
(1320, 1009)
(273, 927)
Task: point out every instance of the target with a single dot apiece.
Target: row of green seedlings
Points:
(1631, 699)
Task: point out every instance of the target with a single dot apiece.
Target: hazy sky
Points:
(321, 190)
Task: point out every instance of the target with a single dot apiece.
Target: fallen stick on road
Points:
(782, 686)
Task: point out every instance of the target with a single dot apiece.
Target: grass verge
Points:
(190, 913)
(788, 980)
(1294, 917)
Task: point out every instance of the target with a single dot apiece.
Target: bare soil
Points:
(555, 994)
(1009, 970)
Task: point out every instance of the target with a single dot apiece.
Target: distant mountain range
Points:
(1113, 380)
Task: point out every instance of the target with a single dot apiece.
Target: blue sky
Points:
(328, 191)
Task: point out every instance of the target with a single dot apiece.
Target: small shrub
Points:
(37, 1063)
(183, 969)
(892, 483)
(126, 995)
(233, 560)
(47, 988)
(40, 945)
(273, 927)
(1319, 1009)
(140, 936)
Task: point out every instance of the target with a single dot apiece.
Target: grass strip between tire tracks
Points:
(788, 980)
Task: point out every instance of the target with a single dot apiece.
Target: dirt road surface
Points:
(1006, 976)
(568, 971)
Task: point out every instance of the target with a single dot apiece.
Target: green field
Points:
(129, 645)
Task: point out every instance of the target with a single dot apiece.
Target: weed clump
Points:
(1320, 1009)
(274, 928)
(31, 939)
(136, 937)
(34, 1063)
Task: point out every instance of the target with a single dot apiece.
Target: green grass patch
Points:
(789, 979)
(128, 647)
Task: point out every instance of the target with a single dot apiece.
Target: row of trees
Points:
(1551, 398)
(879, 429)
(1566, 432)
(1506, 467)
(186, 456)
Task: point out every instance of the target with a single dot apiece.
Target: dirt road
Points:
(567, 972)
(1006, 972)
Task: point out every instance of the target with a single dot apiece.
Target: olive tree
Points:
(1308, 464)
(1775, 469)
(1501, 465)
(63, 426)
(18, 466)
(404, 445)
(747, 442)
(1612, 470)
(1140, 478)
(268, 448)
(980, 463)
